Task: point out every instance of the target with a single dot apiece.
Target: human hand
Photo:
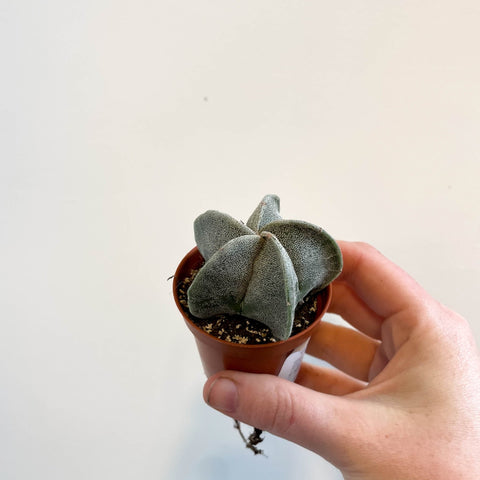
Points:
(404, 399)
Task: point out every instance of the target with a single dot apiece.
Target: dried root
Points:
(253, 439)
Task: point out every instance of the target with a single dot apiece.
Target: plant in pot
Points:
(253, 293)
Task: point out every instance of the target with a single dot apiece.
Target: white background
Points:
(123, 120)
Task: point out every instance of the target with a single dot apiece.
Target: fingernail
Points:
(223, 395)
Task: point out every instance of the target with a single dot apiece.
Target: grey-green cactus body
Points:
(263, 269)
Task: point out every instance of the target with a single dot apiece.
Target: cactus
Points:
(261, 270)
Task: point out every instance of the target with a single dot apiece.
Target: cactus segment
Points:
(315, 255)
(261, 270)
(214, 229)
(220, 285)
(268, 210)
(273, 276)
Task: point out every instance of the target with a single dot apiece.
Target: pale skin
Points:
(404, 399)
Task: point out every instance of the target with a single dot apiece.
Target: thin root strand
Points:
(254, 438)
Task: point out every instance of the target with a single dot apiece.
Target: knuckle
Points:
(455, 318)
(282, 415)
(363, 245)
(435, 314)
(366, 247)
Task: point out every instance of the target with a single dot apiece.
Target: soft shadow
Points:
(213, 450)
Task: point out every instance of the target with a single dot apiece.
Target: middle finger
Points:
(346, 349)
(351, 308)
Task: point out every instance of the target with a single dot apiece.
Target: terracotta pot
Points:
(281, 358)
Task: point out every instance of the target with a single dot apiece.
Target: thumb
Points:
(325, 424)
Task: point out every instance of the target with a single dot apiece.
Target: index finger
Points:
(384, 287)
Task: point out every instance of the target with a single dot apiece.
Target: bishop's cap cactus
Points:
(261, 270)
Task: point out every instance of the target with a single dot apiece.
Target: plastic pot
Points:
(282, 358)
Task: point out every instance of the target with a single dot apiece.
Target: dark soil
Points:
(238, 329)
